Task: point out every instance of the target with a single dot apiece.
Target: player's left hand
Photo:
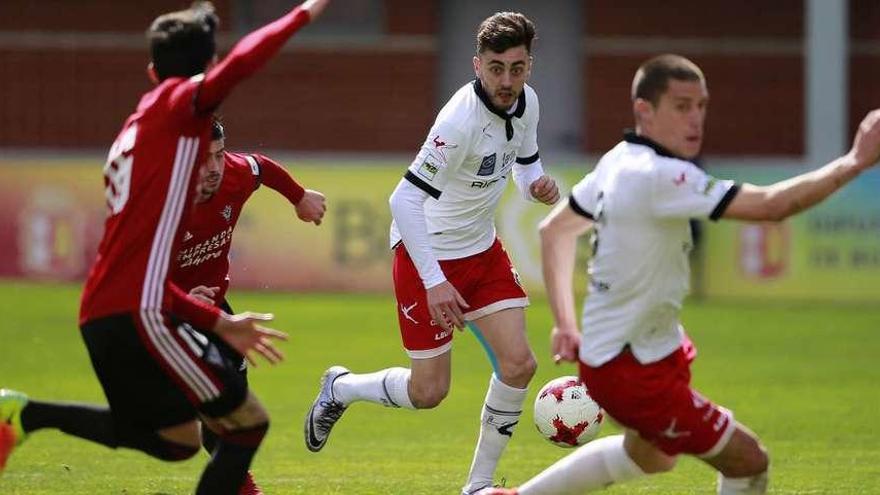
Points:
(545, 190)
(311, 207)
(204, 294)
(564, 344)
(244, 334)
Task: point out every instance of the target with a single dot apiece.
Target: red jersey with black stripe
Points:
(149, 178)
(203, 258)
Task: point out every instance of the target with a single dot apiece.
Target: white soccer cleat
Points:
(325, 411)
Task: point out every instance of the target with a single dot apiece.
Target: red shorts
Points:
(487, 281)
(656, 400)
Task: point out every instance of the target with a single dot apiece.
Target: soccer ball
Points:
(565, 414)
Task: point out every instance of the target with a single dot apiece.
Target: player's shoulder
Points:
(460, 112)
(531, 97)
(169, 93)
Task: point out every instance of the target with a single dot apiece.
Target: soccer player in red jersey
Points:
(159, 376)
(634, 355)
(201, 267)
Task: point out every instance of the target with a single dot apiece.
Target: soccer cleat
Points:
(11, 431)
(249, 487)
(11, 405)
(325, 411)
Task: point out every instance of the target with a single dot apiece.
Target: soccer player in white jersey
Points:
(633, 352)
(449, 266)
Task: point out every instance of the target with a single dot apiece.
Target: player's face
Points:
(211, 172)
(676, 123)
(503, 75)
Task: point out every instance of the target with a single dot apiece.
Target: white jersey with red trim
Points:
(464, 166)
(641, 199)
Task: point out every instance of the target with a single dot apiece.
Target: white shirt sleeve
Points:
(584, 197)
(441, 154)
(528, 150)
(682, 190)
(408, 209)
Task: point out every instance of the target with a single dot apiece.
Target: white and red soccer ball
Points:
(565, 414)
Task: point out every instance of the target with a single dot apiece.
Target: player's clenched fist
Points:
(545, 190)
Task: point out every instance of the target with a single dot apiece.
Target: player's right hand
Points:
(866, 145)
(244, 334)
(564, 344)
(446, 306)
(204, 294)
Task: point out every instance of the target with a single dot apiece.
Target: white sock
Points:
(753, 485)
(389, 387)
(500, 415)
(591, 467)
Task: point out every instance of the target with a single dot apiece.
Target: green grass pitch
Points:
(805, 377)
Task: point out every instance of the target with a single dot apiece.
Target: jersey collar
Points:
(631, 137)
(507, 117)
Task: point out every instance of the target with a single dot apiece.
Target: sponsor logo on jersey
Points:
(507, 160)
(706, 185)
(487, 166)
(441, 146)
(483, 184)
(428, 170)
(227, 212)
(206, 250)
(681, 179)
(442, 334)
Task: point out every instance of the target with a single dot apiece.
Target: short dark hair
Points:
(218, 132)
(505, 30)
(182, 43)
(652, 78)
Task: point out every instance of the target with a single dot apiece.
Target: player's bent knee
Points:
(248, 437)
(429, 396)
(658, 464)
(520, 372)
(174, 452)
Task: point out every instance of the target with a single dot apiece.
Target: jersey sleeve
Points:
(583, 199)
(442, 153)
(275, 177)
(206, 92)
(682, 190)
(528, 150)
(201, 315)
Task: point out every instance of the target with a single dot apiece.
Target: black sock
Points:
(86, 421)
(97, 424)
(232, 457)
(209, 439)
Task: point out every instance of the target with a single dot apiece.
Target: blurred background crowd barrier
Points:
(348, 103)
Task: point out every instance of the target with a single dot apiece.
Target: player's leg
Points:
(239, 435)
(423, 385)
(742, 464)
(496, 300)
(504, 332)
(143, 401)
(595, 466)
(209, 438)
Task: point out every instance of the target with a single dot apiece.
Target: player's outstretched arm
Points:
(781, 200)
(244, 333)
(559, 232)
(310, 205)
(252, 52)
